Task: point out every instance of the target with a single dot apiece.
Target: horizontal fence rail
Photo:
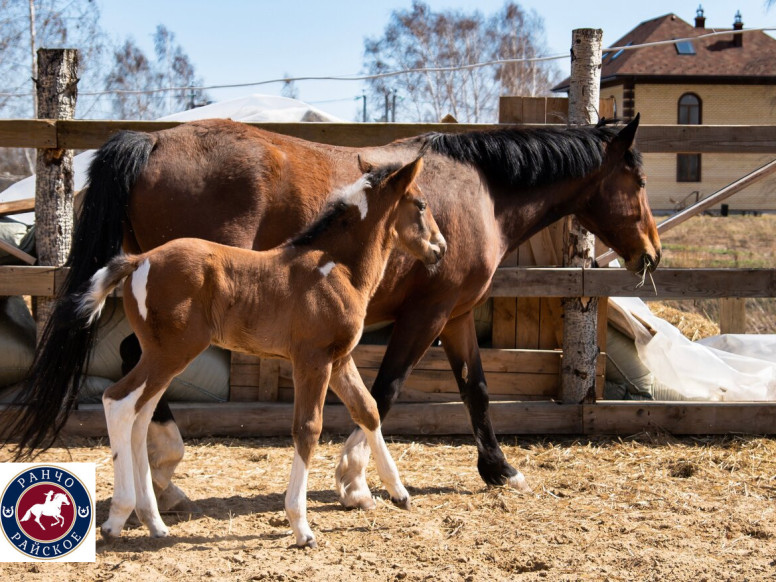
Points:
(88, 134)
(524, 282)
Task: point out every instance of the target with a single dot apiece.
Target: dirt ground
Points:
(642, 508)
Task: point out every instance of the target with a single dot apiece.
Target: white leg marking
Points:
(518, 482)
(120, 416)
(140, 287)
(145, 506)
(386, 468)
(326, 269)
(296, 503)
(350, 475)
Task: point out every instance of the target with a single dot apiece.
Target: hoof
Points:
(308, 542)
(108, 534)
(160, 533)
(405, 503)
(174, 500)
(518, 483)
(365, 503)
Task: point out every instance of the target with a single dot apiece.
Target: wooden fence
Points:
(512, 412)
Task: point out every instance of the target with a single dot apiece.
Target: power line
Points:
(387, 74)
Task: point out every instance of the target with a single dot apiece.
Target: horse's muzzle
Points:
(438, 249)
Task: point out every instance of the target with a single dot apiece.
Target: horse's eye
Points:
(421, 205)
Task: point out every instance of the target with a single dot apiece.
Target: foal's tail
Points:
(51, 389)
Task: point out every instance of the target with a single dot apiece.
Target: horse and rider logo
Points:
(46, 512)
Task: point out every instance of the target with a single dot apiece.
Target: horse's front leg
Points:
(459, 339)
(411, 337)
(348, 385)
(311, 377)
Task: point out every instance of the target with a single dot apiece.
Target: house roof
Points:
(716, 56)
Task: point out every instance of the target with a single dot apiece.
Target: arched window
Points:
(688, 166)
(689, 109)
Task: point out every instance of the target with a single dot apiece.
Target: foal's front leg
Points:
(311, 377)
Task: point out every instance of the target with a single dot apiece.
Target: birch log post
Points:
(56, 92)
(580, 339)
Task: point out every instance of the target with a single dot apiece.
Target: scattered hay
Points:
(692, 325)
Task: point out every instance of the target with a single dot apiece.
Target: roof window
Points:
(685, 47)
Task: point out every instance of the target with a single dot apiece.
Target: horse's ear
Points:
(623, 141)
(364, 166)
(405, 176)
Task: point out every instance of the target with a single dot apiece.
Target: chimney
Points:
(700, 20)
(738, 38)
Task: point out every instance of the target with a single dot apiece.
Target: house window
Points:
(688, 166)
(689, 109)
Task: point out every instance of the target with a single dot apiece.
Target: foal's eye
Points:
(421, 205)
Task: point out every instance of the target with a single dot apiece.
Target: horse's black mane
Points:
(334, 212)
(528, 157)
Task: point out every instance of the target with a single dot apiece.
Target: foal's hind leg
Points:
(119, 402)
(347, 384)
(411, 337)
(165, 445)
(459, 339)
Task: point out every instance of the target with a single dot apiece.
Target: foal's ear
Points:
(623, 141)
(405, 176)
(364, 166)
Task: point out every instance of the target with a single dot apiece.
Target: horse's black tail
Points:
(50, 392)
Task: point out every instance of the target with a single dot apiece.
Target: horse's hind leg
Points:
(411, 337)
(165, 445)
(347, 384)
(459, 339)
(146, 506)
(119, 402)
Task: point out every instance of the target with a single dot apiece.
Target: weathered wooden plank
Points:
(742, 139)
(732, 315)
(17, 206)
(680, 418)
(537, 282)
(17, 252)
(27, 280)
(268, 380)
(623, 418)
(28, 133)
(682, 283)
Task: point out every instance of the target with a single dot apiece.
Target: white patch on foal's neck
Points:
(326, 269)
(140, 287)
(355, 195)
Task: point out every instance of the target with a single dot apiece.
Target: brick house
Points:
(720, 80)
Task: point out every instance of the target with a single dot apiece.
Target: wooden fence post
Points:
(580, 338)
(56, 92)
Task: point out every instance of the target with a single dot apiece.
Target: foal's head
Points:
(618, 211)
(414, 227)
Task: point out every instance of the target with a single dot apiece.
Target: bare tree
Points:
(147, 88)
(422, 39)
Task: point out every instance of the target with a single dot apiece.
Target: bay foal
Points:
(305, 301)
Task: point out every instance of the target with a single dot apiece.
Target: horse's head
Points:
(61, 499)
(617, 211)
(414, 226)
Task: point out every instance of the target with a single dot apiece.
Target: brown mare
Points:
(245, 187)
(304, 301)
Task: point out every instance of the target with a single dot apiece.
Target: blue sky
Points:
(232, 41)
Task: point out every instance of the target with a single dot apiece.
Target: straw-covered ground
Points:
(642, 508)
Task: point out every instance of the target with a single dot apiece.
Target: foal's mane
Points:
(529, 157)
(335, 210)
